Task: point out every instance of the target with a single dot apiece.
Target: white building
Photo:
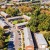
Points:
(29, 45)
(4, 14)
(41, 42)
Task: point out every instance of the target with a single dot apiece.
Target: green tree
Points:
(1, 32)
(1, 44)
(20, 49)
(12, 12)
(39, 21)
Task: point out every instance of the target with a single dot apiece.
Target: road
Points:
(17, 36)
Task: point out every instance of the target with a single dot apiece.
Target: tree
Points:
(1, 32)
(2, 38)
(39, 21)
(33, 23)
(47, 36)
(20, 49)
(25, 9)
(37, 12)
(11, 11)
(1, 44)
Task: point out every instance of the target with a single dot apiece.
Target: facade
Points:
(41, 42)
(29, 45)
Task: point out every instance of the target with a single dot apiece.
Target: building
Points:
(3, 24)
(24, 0)
(29, 45)
(45, 1)
(14, 18)
(26, 17)
(5, 15)
(21, 0)
(41, 42)
(21, 25)
(9, 4)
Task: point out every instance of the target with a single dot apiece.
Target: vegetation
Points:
(20, 49)
(47, 37)
(12, 12)
(3, 37)
(39, 21)
(18, 21)
(25, 9)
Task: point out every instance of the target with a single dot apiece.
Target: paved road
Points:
(17, 36)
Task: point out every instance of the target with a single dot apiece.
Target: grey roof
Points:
(40, 39)
(17, 17)
(28, 37)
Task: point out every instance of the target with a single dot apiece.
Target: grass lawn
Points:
(18, 21)
(14, 22)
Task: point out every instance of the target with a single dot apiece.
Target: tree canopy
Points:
(12, 12)
(39, 21)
